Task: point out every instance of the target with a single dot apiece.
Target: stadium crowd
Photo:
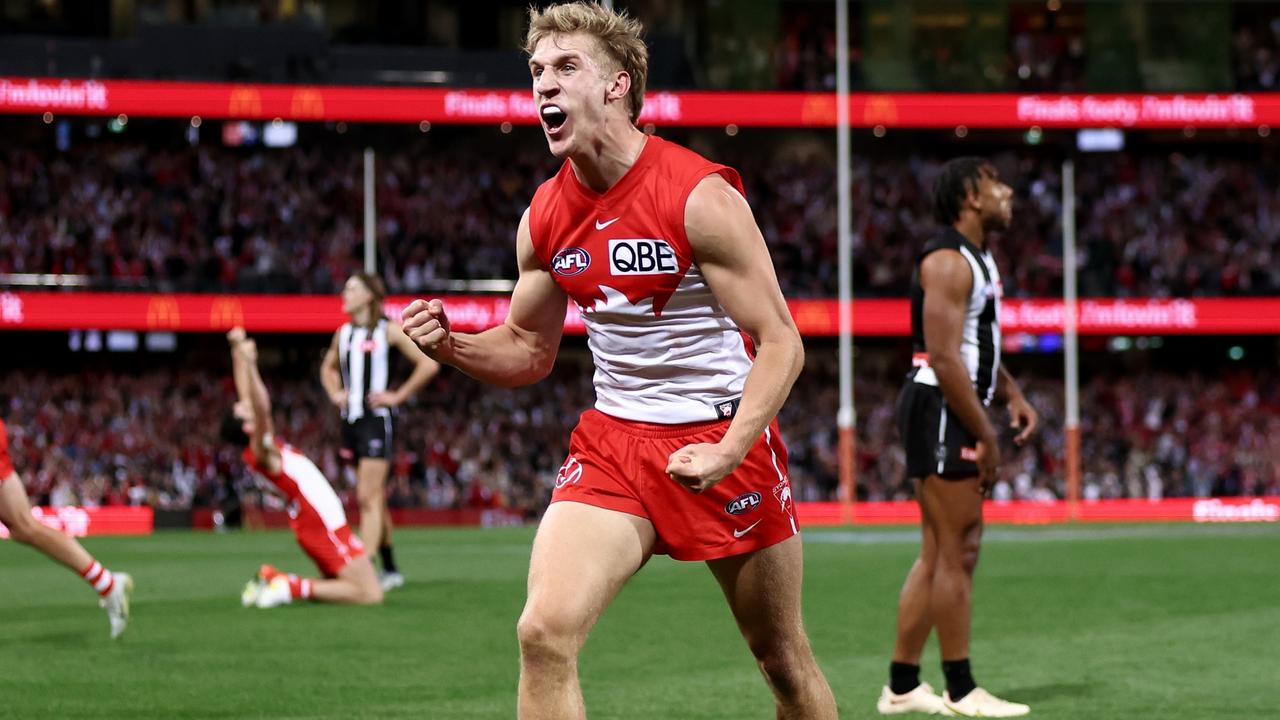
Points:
(150, 437)
(130, 216)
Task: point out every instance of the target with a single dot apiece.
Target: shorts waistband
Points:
(636, 428)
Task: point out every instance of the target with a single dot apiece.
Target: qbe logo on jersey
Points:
(642, 257)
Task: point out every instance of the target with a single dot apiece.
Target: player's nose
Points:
(545, 86)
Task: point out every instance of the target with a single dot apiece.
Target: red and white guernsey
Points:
(312, 498)
(665, 350)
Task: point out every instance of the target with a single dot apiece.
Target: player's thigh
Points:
(582, 556)
(763, 591)
(359, 571)
(928, 534)
(953, 508)
(371, 474)
(14, 506)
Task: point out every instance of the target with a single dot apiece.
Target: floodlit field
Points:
(1081, 622)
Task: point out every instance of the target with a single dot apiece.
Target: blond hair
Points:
(616, 34)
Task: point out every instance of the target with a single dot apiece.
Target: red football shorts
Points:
(331, 550)
(622, 465)
(6, 463)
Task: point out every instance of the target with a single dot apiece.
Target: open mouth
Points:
(552, 116)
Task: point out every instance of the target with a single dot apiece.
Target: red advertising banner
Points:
(82, 521)
(1200, 510)
(20, 95)
(469, 313)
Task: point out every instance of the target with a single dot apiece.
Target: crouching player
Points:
(315, 513)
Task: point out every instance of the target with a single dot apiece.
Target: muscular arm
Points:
(522, 349)
(735, 261)
(947, 281)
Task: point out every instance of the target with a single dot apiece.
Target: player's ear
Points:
(619, 85)
(973, 194)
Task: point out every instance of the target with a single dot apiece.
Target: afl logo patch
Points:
(743, 504)
(571, 261)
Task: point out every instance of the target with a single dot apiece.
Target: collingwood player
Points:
(951, 445)
(356, 374)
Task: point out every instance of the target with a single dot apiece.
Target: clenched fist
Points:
(426, 324)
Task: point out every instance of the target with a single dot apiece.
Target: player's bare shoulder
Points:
(717, 219)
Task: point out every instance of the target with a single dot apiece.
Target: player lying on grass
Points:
(15, 514)
(315, 513)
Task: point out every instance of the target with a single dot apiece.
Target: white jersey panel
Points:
(688, 364)
(314, 487)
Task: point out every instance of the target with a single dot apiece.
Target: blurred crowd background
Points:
(175, 206)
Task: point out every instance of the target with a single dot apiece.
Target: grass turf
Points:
(1098, 622)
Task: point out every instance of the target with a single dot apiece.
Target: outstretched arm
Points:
(253, 392)
(734, 259)
(522, 349)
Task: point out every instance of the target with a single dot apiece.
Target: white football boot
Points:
(920, 700)
(980, 703)
(116, 603)
(275, 593)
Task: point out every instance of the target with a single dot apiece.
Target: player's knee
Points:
(961, 553)
(544, 640)
(24, 529)
(371, 594)
(784, 665)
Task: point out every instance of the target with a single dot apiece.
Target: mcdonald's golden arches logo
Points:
(818, 110)
(226, 313)
(880, 110)
(162, 312)
(307, 103)
(244, 101)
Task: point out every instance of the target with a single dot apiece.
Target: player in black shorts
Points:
(356, 373)
(952, 449)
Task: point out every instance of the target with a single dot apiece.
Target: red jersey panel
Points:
(302, 482)
(665, 350)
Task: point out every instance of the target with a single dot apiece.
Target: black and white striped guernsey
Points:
(365, 360)
(980, 341)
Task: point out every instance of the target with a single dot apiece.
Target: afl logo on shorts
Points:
(570, 473)
(743, 504)
(571, 261)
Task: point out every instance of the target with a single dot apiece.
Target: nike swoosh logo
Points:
(603, 225)
(747, 529)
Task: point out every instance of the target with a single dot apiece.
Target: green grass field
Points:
(1080, 622)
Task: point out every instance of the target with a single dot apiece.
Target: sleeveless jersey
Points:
(665, 351)
(303, 483)
(365, 360)
(980, 341)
